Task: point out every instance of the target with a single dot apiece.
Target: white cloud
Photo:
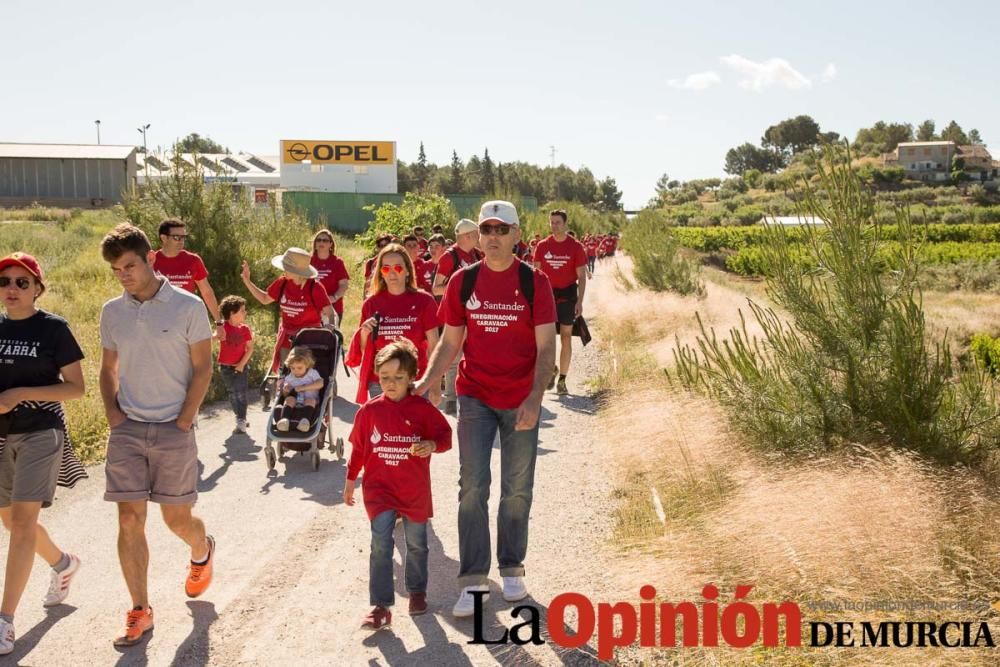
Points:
(662, 118)
(758, 76)
(829, 73)
(698, 81)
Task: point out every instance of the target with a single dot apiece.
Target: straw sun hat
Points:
(296, 262)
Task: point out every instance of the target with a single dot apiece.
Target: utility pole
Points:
(552, 156)
(145, 152)
(98, 124)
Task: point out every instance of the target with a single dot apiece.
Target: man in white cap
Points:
(464, 253)
(505, 312)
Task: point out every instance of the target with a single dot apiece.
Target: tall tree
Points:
(792, 135)
(609, 196)
(884, 137)
(489, 176)
(974, 137)
(195, 143)
(954, 132)
(421, 171)
(748, 156)
(925, 131)
(455, 185)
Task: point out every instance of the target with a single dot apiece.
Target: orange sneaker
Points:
(137, 623)
(200, 576)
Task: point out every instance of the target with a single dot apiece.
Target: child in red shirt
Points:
(235, 351)
(393, 437)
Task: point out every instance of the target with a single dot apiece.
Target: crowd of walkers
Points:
(468, 326)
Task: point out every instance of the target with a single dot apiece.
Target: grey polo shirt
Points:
(152, 339)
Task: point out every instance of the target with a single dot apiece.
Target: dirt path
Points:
(292, 569)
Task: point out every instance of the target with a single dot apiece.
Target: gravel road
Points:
(291, 582)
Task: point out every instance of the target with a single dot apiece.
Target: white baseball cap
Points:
(499, 211)
(465, 226)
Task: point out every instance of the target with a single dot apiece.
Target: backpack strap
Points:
(469, 281)
(527, 277)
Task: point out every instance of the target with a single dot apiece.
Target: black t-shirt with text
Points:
(32, 351)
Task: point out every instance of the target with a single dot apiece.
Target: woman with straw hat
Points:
(303, 300)
(41, 369)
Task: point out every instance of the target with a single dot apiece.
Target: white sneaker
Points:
(303, 425)
(60, 581)
(466, 604)
(242, 426)
(282, 424)
(514, 589)
(6, 637)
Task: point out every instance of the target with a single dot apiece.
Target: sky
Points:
(629, 89)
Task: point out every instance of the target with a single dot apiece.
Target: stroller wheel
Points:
(315, 460)
(340, 448)
(269, 456)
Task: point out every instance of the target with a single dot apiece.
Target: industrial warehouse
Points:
(330, 180)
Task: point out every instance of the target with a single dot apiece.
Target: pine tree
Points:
(420, 170)
(455, 184)
(488, 177)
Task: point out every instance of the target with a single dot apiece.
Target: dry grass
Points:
(855, 526)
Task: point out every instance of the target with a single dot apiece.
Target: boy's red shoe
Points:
(377, 618)
(418, 604)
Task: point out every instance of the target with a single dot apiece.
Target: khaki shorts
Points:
(157, 462)
(29, 467)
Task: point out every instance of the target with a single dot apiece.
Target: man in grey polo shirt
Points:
(156, 366)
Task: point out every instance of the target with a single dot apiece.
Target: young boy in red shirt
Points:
(235, 351)
(393, 437)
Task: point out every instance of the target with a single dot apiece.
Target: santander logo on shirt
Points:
(473, 303)
(376, 436)
(556, 261)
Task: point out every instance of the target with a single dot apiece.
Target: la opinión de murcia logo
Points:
(738, 624)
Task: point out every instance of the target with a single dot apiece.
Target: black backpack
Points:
(456, 262)
(525, 273)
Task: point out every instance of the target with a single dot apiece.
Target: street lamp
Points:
(142, 130)
(98, 124)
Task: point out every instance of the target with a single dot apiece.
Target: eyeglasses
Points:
(398, 268)
(487, 229)
(22, 283)
(322, 240)
(180, 238)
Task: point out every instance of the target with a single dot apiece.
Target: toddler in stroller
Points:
(300, 389)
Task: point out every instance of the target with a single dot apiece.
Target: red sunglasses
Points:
(398, 268)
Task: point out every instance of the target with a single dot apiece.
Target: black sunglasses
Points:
(178, 237)
(487, 229)
(22, 283)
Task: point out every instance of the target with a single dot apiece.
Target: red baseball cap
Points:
(25, 261)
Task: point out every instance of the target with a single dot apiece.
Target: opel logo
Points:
(298, 152)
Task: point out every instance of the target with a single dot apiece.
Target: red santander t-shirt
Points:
(560, 260)
(425, 273)
(331, 271)
(498, 367)
(232, 349)
(407, 315)
(183, 271)
(381, 438)
(299, 309)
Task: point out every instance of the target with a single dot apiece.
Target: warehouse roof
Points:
(66, 151)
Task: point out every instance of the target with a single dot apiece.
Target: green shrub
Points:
(986, 350)
(657, 261)
(852, 361)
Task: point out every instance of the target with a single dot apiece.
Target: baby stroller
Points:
(325, 345)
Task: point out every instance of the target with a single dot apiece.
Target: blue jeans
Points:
(478, 424)
(380, 589)
(236, 383)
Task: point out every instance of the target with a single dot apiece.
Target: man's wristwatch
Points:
(219, 323)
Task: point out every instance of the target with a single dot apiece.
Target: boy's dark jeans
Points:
(380, 588)
(236, 383)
